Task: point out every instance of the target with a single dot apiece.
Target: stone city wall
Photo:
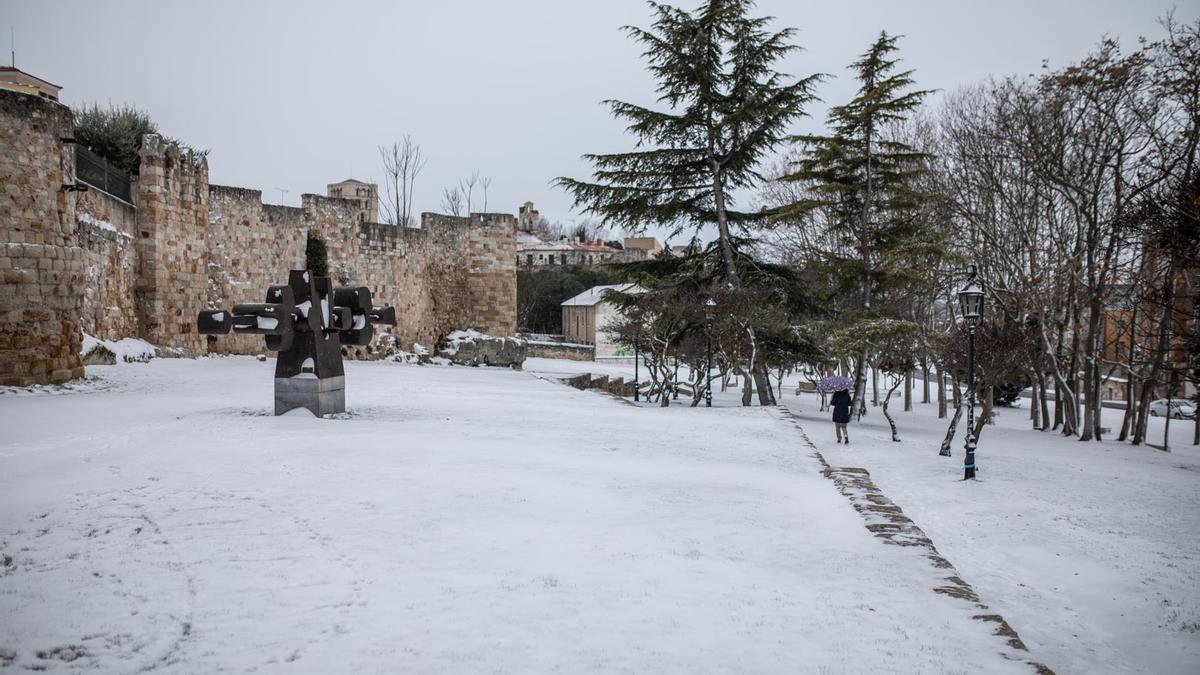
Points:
(41, 263)
(172, 219)
(79, 261)
(250, 246)
(106, 229)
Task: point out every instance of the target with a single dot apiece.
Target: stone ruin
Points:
(306, 321)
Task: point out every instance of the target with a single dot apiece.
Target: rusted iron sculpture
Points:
(307, 321)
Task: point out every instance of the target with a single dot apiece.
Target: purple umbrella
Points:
(835, 383)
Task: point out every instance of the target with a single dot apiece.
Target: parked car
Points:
(1180, 410)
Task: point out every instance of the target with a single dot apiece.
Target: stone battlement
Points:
(87, 261)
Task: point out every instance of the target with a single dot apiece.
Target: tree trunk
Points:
(886, 399)
(953, 428)
(1161, 348)
(941, 393)
(1058, 405)
(908, 391)
(762, 382)
(1035, 418)
(1167, 426)
(1127, 418)
(986, 405)
(1044, 404)
(925, 382)
(860, 386)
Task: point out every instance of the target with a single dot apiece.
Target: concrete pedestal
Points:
(321, 396)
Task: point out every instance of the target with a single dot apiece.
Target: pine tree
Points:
(862, 179)
(725, 107)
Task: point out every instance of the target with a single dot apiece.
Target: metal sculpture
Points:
(307, 322)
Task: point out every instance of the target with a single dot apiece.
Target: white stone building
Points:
(585, 316)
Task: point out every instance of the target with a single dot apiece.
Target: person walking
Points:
(841, 414)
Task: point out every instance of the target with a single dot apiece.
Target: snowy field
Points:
(1091, 551)
(459, 520)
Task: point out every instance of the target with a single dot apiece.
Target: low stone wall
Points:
(566, 350)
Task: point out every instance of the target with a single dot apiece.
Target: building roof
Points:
(22, 81)
(645, 243)
(595, 294)
(529, 242)
(350, 180)
(595, 246)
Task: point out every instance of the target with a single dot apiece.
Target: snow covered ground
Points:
(1091, 551)
(458, 520)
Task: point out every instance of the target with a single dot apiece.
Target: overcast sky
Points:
(298, 94)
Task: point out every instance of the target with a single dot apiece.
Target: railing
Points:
(97, 172)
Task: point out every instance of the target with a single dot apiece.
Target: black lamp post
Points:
(970, 303)
(708, 320)
(635, 368)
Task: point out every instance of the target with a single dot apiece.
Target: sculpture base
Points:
(320, 396)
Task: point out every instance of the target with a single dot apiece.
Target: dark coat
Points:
(841, 407)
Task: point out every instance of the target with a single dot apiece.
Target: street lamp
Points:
(708, 320)
(635, 367)
(970, 303)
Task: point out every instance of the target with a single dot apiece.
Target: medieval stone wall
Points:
(41, 265)
(88, 261)
(172, 219)
(250, 246)
(106, 230)
(492, 273)
(449, 274)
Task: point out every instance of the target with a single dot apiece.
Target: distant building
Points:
(527, 217)
(365, 196)
(648, 244)
(17, 80)
(534, 252)
(585, 316)
(1129, 327)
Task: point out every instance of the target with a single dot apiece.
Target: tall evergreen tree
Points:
(862, 178)
(725, 107)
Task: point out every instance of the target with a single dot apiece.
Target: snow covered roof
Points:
(530, 242)
(527, 241)
(595, 294)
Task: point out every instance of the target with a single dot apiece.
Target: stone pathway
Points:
(886, 520)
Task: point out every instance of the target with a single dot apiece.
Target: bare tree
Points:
(485, 182)
(452, 201)
(402, 162)
(467, 186)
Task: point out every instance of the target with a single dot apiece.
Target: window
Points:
(529, 259)
(551, 258)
